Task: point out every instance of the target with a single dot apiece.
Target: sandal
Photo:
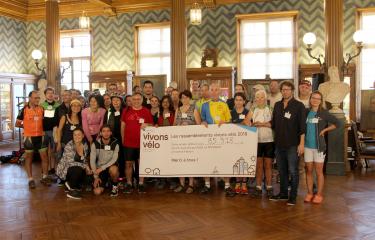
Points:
(179, 188)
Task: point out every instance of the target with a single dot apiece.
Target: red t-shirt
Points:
(132, 133)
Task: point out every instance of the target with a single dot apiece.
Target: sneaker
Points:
(291, 202)
(32, 184)
(278, 197)
(179, 188)
(46, 181)
(205, 190)
(141, 188)
(244, 190)
(269, 191)
(318, 199)
(60, 183)
(53, 177)
(258, 192)
(229, 192)
(308, 198)
(189, 190)
(237, 188)
(74, 194)
(128, 189)
(114, 192)
(67, 186)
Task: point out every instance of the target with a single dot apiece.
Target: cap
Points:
(304, 82)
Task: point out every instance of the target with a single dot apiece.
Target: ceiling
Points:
(28, 10)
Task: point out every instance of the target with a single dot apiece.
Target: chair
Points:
(364, 147)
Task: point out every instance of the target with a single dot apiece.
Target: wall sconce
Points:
(195, 14)
(309, 39)
(37, 56)
(84, 21)
(358, 38)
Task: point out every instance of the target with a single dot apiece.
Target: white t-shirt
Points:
(263, 115)
(305, 102)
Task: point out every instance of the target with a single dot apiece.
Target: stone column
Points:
(334, 57)
(178, 44)
(53, 44)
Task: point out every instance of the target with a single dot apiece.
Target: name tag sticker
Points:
(72, 127)
(287, 115)
(107, 147)
(242, 116)
(141, 120)
(49, 113)
(184, 115)
(314, 120)
(117, 113)
(148, 101)
(167, 115)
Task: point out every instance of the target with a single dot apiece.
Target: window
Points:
(75, 53)
(266, 46)
(367, 57)
(153, 55)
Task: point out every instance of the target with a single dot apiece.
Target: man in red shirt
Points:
(134, 119)
(31, 119)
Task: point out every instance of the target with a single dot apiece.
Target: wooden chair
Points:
(364, 147)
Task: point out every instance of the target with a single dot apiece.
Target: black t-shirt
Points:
(146, 103)
(236, 116)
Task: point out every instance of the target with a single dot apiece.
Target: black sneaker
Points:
(258, 192)
(278, 197)
(128, 188)
(229, 192)
(205, 190)
(141, 188)
(269, 192)
(32, 184)
(114, 192)
(74, 194)
(46, 181)
(291, 202)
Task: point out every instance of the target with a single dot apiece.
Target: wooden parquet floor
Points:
(45, 213)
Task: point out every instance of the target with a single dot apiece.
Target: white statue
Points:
(334, 91)
(42, 85)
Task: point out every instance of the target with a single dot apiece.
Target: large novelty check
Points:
(193, 151)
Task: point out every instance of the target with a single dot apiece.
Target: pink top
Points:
(92, 122)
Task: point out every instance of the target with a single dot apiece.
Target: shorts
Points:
(312, 155)
(131, 154)
(32, 144)
(49, 136)
(266, 150)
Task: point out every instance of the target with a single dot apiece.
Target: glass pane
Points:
(150, 65)
(280, 65)
(253, 66)
(280, 34)
(253, 35)
(367, 68)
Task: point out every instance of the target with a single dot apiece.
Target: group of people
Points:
(98, 146)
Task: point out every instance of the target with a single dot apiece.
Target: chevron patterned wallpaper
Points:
(113, 38)
(12, 45)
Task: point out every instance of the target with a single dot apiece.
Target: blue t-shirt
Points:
(310, 138)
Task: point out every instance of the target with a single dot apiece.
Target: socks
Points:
(207, 184)
(44, 176)
(258, 187)
(269, 187)
(227, 185)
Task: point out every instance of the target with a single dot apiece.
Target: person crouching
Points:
(103, 160)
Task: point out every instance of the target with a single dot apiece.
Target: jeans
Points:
(287, 163)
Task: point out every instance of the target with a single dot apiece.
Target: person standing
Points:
(31, 119)
(175, 95)
(215, 111)
(288, 122)
(63, 108)
(318, 120)
(107, 101)
(133, 120)
(148, 93)
(103, 159)
(92, 119)
(195, 86)
(275, 94)
(185, 115)
(155, 109)
(304, 92)
(238, 88)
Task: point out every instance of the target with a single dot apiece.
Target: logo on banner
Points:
(152, 141)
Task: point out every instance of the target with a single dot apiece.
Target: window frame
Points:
(266, 17)
(72, 33)
(136, 41)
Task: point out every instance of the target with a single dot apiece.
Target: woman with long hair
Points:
(92, 118)
(319, 121)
